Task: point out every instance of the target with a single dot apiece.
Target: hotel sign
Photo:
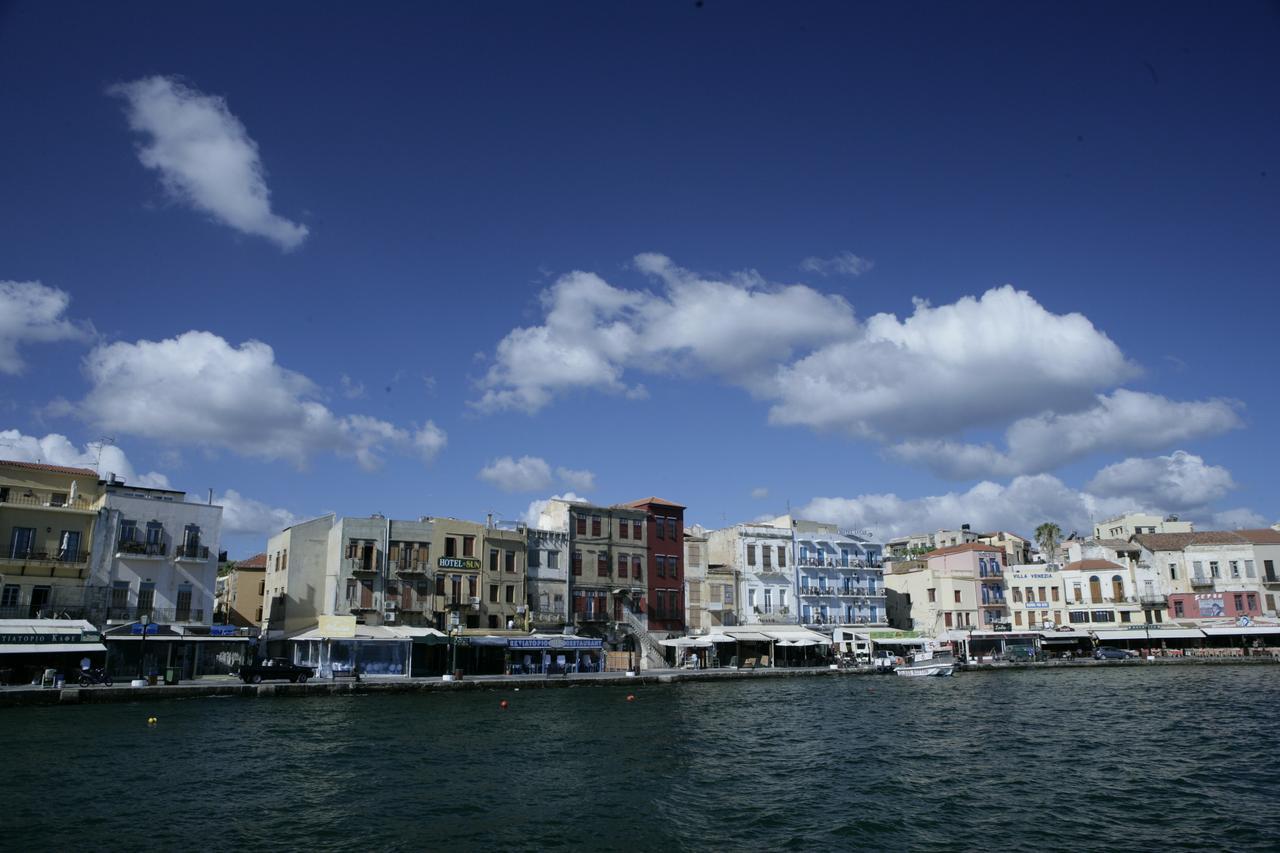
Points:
(1037, 605)
(469, 563)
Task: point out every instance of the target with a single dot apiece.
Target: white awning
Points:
(798, 633)
(50, 648)
(685, 642)
(1156, 635)
(1242, 630)
(1063, 636)
(749, 636)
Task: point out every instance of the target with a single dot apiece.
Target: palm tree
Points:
(1047, 537)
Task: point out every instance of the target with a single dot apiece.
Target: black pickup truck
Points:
(274, 669)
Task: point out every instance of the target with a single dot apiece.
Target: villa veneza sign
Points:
(459, 563)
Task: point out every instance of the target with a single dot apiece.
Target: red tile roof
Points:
(257, 561)
(1261, 536)
(1179, 541)
(960, 549)
(655, 502)
(1093, 566)
(57, 469)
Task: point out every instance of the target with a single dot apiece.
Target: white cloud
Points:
(1177, 482)
(205, 156)
(536, 508)
(351, 389)
(578, 480)
(594, 332)
(1121, 421)
(241, 514)
(31, 312)
(759, 492)
(526, 474)
(197, 389)
(845, 263)
(56, 449)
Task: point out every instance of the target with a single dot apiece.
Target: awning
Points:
(798, 633)
(1242, 630)
(718, 638)
(49, 648)
(685, 642)
(1156, 635)
(751, 637)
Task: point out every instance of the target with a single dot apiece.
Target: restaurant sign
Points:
(469, 563)
(28, 639)
(553, 643)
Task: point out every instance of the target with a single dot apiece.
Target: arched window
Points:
(1095, 589)
(1117, 588)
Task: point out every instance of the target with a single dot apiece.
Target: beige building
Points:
(960, 587)
(697, 589)
(1017, 550)
(48, 515)
(607, 563)
(240, 592)
(505, 579)
(1133, 523)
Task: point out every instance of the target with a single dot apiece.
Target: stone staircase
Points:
(651, 651)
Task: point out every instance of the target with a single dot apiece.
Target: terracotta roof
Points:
(1261, 535)
(656, 502)
(968, 546)
(257, 561)
(1092, 566)
(1178, 541)
(57, 469)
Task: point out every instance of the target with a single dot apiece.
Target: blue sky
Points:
(578, 233)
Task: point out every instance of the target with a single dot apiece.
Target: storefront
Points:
(29, 647)
(551, 654)
(187, 651)
(371, 650)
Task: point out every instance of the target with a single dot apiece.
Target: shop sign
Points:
(469, 563)
(222, 630)
(1037, 605)
(152, 628)
(1001, 626)
(28, 639)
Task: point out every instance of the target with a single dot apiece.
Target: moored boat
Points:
(928, 663)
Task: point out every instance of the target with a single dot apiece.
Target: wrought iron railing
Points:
(55, 556)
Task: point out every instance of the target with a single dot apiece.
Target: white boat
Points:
(928, 663)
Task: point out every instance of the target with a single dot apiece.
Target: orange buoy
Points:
(631, 697)
(503, 704)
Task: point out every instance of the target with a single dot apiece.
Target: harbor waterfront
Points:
(1109, 757)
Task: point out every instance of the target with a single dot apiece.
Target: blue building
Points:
(839, 575)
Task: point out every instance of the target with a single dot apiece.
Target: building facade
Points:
(239, 593)
(761, 558)
(839, 575)
(665, 530)
(948, 592)
(1133, 523)
(548, 578)
(697, 590)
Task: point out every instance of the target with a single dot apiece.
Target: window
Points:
(1104, 616)
(933, 595)
(1239, 600)
(782, 599)
(1249, 570)
(493, 592)
(767, 553)
(636, 566)
(471, 585)
(595, 525)
(1126, 616)
(1017, 617)
(581, 524)
(637, 532)
(261, 587)
(659, 525)
(468, 546)
(1173, 571)
(957, 595)
(1252, 601)
(782, 557)
(751, 598)
(1031, 593)
(673, 567)
(1055, 595)
(450, 546)
(577, 562)
(535, 558)
(553, 559)
(493, 559)
(751, 555)
(439, 586)
(1235, 568)
(1269, 569)
(623, 526)
(695, 554)
(728, 593)
(1017, 593)
(946, 618)
(1214, 571)
(1078, 616)
(1043, 597)
(511, 593)
(602, 564)
(622, 565)
(660, 562)
(1178, 609)
(9, 597)
(146, 596)
(672, 532)
(128, 530)
(768, 600)
(510, 557)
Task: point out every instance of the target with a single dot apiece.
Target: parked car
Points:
(275, 669)
(1112, 653)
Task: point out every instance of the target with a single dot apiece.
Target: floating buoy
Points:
(151, 721)
(503, 704)
(631, 697)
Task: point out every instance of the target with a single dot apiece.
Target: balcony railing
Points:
(361, 566)
(47, 557)
(593, 616)
(1152, 598)
(158, 615)
(548, 617)
(833, 620)
(408, 567)
(142, 549)
(1201, 580)
(838, 591)
(837, 563)
(191, 552)
(1271, 579)
(50, 500)
(44, 611)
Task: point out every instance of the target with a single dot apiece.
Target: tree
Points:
(1048, 535)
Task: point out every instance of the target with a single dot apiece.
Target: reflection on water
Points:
(1171, 758)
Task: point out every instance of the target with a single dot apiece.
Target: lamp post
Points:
(144, 619)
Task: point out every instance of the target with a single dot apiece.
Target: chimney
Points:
(964, 527)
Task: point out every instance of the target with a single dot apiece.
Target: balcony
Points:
(1152, 599)
(1271, 579)
(409, 567)
(191, 552)
(48, 558)
(841, 592)
(162, 616)
(359, 566)
(548, 617)
(1201, 581)
(836, 563)
(49, 500)
(130, 548)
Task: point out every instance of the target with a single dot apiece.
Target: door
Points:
(1117, 588)
(1095, 589)
(39, 600)
(21, 541)
(366, 594)
(69, 546)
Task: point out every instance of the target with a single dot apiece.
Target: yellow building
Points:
(47, 518)
(240, 591)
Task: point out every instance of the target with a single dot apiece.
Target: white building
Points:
(839, 574)
(762, 557)
(1133, 523)
(155, 553)
(548, 562)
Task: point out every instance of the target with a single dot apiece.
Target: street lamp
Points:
(144, 619)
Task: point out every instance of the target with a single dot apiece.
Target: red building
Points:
(666, 563)
(1223, 604)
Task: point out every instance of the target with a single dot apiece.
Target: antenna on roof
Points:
(99, 444)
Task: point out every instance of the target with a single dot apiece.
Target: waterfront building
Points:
(948, 592)
(155, 553)
(29, 646)
(238, 593)
(505, 605)
(721, 608)
(665, 522)
(48, 515)
(697, 589)
(909, 546)
(1017, 550)
(761, 556)
(839, 574)
(1133, 523)
(548, 578)
(1266, 556)
(1208, 574)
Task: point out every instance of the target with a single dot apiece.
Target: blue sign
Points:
(136, 629)
(556, 643)
(222, 630)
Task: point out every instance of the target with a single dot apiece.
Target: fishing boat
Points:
(928, 662)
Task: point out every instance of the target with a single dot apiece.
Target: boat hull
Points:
(937, 670)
